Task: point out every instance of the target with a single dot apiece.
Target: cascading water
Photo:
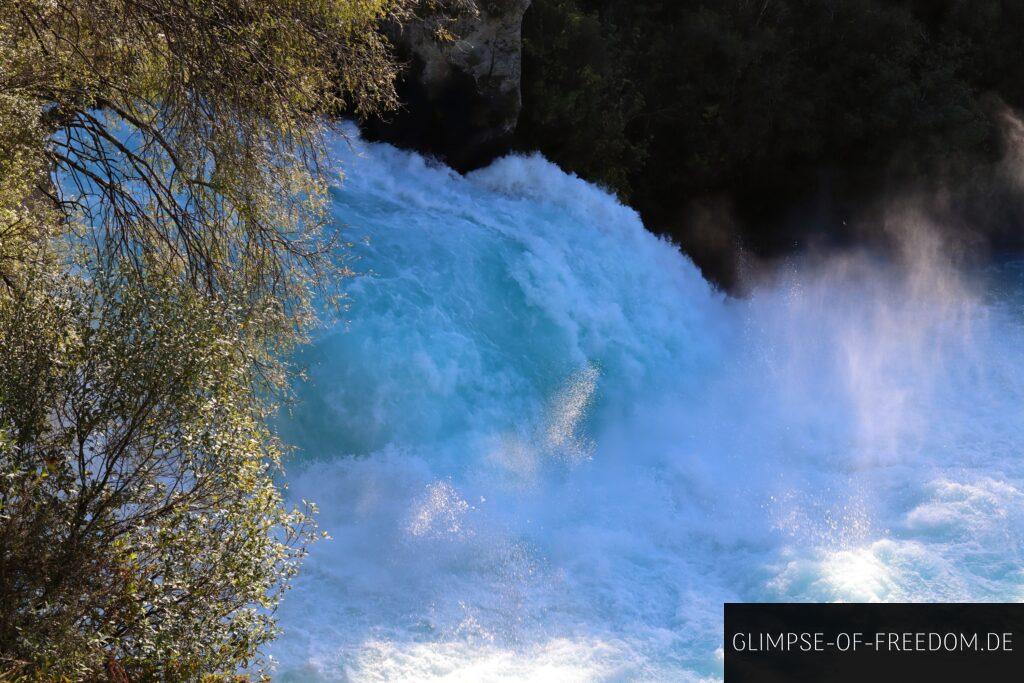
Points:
(546, 449)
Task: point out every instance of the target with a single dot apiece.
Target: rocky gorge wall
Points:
(460, 97)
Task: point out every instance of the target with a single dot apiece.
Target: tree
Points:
(140, 522)
(580, 94)
(790, 114)
(162, 238)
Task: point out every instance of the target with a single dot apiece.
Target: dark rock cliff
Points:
(460, 98)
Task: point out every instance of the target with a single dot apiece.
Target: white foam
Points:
(546, 449)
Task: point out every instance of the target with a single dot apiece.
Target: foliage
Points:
(140, 522)
(190, 127)
(577, 96)
(162, 213)
(774, 105)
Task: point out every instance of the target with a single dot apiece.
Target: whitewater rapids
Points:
(547, 449)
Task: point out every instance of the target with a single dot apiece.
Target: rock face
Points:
(460, 98)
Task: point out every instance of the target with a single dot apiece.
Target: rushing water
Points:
(547, 449)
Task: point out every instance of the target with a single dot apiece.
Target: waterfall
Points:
(546, 449)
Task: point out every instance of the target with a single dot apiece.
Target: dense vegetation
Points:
(162, 212)
(775, 117)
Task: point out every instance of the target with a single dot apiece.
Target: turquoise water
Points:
(547, 449)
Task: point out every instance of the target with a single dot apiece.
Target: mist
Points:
(546, 447)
